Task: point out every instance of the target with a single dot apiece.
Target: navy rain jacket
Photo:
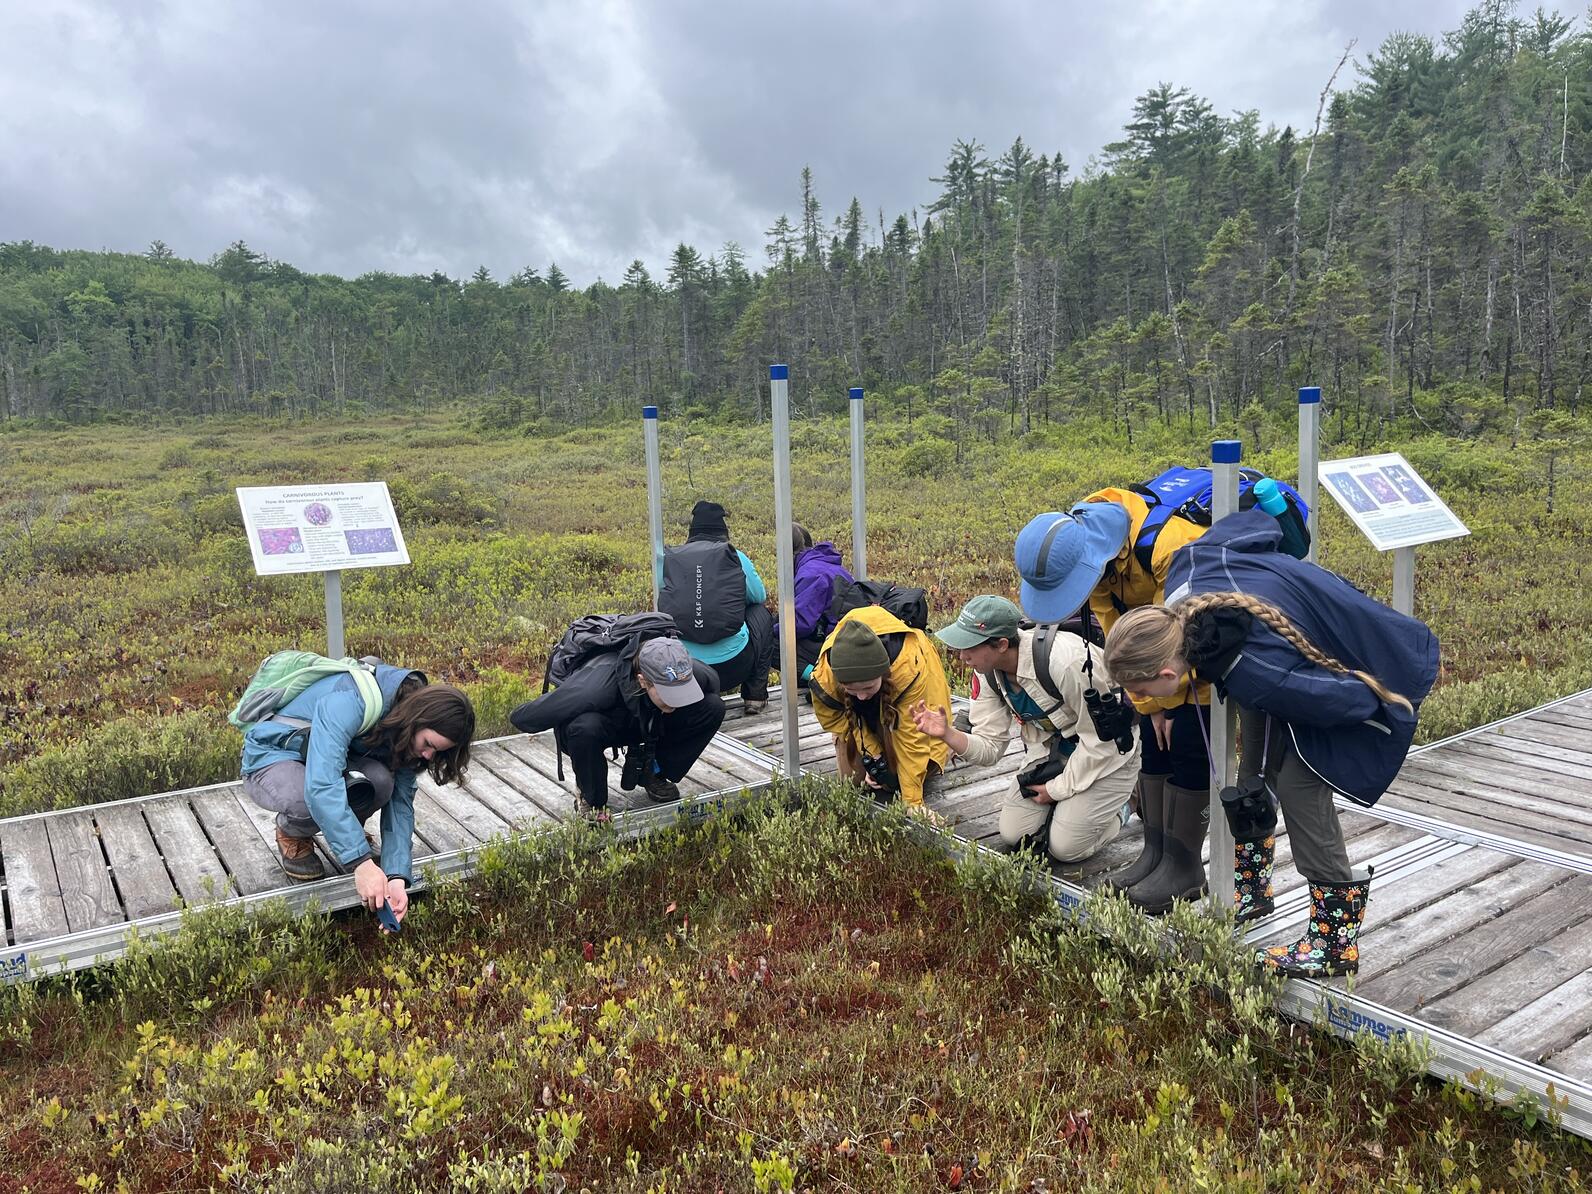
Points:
(1342, 730)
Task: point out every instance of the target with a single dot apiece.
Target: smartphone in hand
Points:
(388, 920)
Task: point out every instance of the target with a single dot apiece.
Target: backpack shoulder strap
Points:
(369, 692)
(1044, 639)
(819, 694)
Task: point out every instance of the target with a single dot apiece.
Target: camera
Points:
(1251, 814)
(879, 771)
(1113, 715)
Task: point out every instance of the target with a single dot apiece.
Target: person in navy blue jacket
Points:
(310, 765)
(1328, 683)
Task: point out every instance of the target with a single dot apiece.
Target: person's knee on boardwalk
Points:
(1068, 794)
(1300, 650)
(872, 670)
(717, 599)
(311, 765)
(661, 705)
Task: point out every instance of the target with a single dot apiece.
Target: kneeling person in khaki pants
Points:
(1077, 810)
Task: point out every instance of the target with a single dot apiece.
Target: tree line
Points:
(1422, 251)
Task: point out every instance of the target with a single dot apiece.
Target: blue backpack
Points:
(1187, 493)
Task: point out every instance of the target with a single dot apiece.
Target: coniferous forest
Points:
(1422, 252)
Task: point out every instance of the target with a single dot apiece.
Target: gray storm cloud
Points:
(347, 137)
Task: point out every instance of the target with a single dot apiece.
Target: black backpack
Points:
(704, 590)
(910, 605)
(600, 634)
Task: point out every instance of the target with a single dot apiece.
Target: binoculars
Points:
(1113, 716)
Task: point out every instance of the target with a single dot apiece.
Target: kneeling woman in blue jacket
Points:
(310, 766)
(1327, 682)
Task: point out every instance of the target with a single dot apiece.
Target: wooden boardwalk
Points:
(1480, 920)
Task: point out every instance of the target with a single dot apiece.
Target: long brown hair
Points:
(421, 706)
(1148, 639)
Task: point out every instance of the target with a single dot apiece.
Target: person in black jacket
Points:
(1328, 683)
(663, 707)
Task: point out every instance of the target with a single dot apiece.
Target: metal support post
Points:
(859, 495)
(334, 614)
(1310, 456)
(649, 423)
(1225, 457)
(779, 403)
(1404, 580)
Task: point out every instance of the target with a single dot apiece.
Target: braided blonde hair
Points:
(1146, 640)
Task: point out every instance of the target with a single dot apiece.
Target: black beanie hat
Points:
(707, 518)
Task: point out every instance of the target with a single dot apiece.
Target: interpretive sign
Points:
(321, 528)
(1389, 501)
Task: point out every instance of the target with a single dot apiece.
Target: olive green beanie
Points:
(857, 655)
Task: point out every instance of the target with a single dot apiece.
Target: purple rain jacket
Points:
(816, 570)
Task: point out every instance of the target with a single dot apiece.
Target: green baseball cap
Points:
(985, 617)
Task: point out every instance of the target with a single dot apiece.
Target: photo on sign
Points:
(371, 542)
(1358, 499)
(1379, 488)
(1414, 492)
(318, 514)
(281, 541)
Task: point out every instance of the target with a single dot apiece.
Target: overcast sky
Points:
(411, 135)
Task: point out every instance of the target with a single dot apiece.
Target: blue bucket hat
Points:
(1061, 557)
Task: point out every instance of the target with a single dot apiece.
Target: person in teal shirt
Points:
(742, 659)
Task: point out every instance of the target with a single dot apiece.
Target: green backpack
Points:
(287, 673)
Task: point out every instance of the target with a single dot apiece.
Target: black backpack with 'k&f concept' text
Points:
(704, 590)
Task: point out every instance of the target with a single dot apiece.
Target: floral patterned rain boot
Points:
(1252, 865)
(1329, 946)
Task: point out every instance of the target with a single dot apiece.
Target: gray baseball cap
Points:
(665, 662)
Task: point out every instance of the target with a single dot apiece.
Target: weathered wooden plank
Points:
(1490, 944)
(86, 888)
(1548, 1024)
(37, 910)
(254, 866)
(513, 806)
(441, 829)
(1481, 1003)
(1566, 715)
(1386, 946)
(1443, 879)
(741, 769)
(146, 889)
(1575, 1061)
(1464, 810)
(532, 765)
(1552, 741)
(1503, 784)
(1480, 748)
(476, 818)
(187, 852)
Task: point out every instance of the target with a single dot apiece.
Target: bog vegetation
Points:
(132, 616)
(807, 999)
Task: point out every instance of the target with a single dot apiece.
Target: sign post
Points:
(859, 485)
(1225, 457)
(1395, 509)
(779, 396)
(1309, 455)
(325, 529)
(649, 423)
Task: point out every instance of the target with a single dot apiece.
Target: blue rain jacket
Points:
(334, 709)
(1342, 730)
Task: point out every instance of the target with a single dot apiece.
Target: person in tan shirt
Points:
(1099, 555)
(1077, 807)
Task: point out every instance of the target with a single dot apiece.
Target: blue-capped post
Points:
(649, 423)
(779, 405)
(859, 491)
(1309, 456)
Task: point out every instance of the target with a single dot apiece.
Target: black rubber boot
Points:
(1330, 945)
(1152, 812)
(1179, 875)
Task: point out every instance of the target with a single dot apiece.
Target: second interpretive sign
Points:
(321, 528)
(1389, 501)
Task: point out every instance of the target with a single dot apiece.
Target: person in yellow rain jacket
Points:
(1097, 553)
(872, 669)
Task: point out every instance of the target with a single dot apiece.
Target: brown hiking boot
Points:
(299, 859)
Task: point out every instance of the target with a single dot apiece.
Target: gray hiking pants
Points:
(1308, 812)
(280, 788)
